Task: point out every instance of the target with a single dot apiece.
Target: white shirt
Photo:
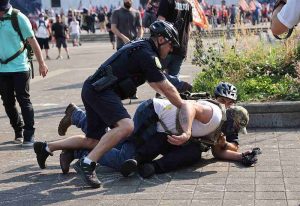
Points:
(42, 29)
(290, 13)
(166, 112)
(74, 27)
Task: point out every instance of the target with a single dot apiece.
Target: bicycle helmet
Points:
(165, 29)
(225, 89)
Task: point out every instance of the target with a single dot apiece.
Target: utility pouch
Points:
(127, 88)
(105, 81)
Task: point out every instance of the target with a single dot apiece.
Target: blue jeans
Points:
(177, 83)
(172, 63)
(115, 157)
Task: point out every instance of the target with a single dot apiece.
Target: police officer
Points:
(116, 79)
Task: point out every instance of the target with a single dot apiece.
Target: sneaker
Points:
(28, 139)
(65, 159)
(128, 167)
(146, 170)
(41, 153)
(87, 173)
(158, 96)
(68, 56)
(66, 121)
(59, 57)
(18, 137)
(186, 87)
(28, 142)
(48, 58)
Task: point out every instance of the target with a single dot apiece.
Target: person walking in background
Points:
(75, 31)
(179, 13)
(15, 70)
(126, 24)
(60, 33)
(42, 33)
(111, 35)
(102, 19)
(151, 13)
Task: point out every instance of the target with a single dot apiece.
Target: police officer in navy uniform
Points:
(117, 79)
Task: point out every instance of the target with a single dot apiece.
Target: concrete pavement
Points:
(275, 180)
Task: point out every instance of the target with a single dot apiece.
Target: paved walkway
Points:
(275, 180)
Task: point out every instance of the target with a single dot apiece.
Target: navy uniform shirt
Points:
(141, 63)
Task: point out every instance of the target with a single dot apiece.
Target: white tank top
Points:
(166, 112)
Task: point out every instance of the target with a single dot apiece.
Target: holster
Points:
(103, 79)
(127, 88)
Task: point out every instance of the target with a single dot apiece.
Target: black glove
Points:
(249, 159)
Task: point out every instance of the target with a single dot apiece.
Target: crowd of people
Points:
(74, 21)
(250, 12)
(180, 127)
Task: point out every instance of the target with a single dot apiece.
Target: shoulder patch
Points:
(157, 62)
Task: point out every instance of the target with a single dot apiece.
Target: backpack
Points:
(15, 24)
(42, 28)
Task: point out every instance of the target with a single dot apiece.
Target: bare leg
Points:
(67, 51)
(73, 142)
(59, 50)
(227, 154)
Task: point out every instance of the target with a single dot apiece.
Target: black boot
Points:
(146, 170)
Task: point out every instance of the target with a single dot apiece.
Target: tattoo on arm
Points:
(183, 119)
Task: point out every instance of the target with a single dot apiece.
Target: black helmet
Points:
(165, 29)
(225, 89)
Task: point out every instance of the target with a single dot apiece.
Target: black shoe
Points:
(66, 121)
(134, 97)
(41, 153)
(186, 87)
(87, 173)
(19, 136)
(128, 167)
(146, 170)
(158, 96)
(65, 159)
(248, 159)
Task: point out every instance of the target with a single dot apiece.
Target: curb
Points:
(273, 114)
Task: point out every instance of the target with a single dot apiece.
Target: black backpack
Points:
(15, 23)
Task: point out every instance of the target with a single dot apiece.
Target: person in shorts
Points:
(60, 33)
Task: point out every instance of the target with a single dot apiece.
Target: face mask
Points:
(127, 5)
